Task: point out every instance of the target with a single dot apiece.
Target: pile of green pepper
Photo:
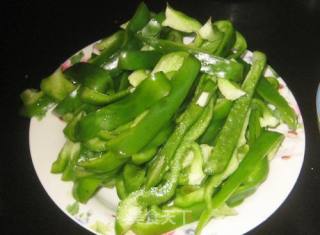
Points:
(169, 114)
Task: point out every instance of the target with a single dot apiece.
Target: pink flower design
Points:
(66, 65)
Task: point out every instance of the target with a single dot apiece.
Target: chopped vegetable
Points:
(169, 113)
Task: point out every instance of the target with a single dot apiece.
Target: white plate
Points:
(98, 215)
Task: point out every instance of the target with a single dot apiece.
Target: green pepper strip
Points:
(139, 19)
(134, 60)
(151, 149)
(257, 177)
(69, 130)
(133, 140)
(133, 177)
(109, 46)
(228, 40)
(36, 103)
(186, 120)
(68, 152)
(220, 112)
(272, 96)
(104, 162)
(189, 199)
(266, 142)
(160, 194)
(210, 64)
(126, 109)
(121, 189)
(178, 217)
(239, 47)
(139, 200)
(96, 144)
(220, 67)
(230, 133)
(97, 98)
(84, 188)
(56, 86)
(254, 128)
(90, 76)
(152, 29)
(69, 105)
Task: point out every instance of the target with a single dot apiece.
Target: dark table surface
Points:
(37, 37)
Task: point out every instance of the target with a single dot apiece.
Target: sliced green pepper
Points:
(71, 105)
(254, 128)
(159, 114)
(90, 76)
(239, 47)
(272, 96)
(229, 37)
(134, 60)
(266, 142)
(108, 47)
(84, 188)
(97, 98)
(139, 200)
(126, 109)
(220, 112)
(139, 19)
(180, 21)
(187, 119)
(151, 149)
(230, 133)
(104, 162)
(273, 81)
(152, 29)
(251, 184)
(56, 86)
(69, 130)
(219, 67)
(120, 187)
(133, 177)
(36, 104)
(67, 153)
(96, 144)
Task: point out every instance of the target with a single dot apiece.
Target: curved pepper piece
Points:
(36, 103)
(186, 120)
(104, 162)
(112, 116)
(139, 19)
(272, 96)
(90, 76)
(228, 39)
(97, 98)
(133, 206)
(265, 144)
(220, 112)
(108, 47)
(56, 86)
(134, 60)
(231, 131)
(249, 186)
(133, 140)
